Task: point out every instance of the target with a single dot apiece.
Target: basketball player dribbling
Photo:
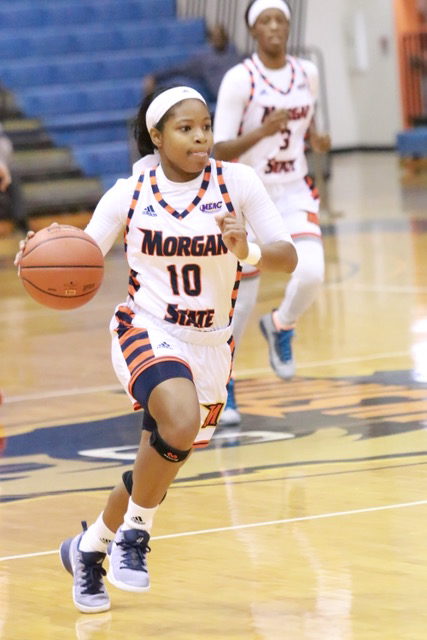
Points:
(184, 219)
(264, 113)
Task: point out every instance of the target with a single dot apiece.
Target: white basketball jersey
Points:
(278, 158)
(181, 270)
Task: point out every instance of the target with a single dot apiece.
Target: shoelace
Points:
(134, 555)
(92, 578)
(283, 339)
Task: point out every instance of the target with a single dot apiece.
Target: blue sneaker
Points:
(89, 593)
(280, 347)
(230, 415)
(128, 566)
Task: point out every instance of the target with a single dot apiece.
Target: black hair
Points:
(141, 134)
(248, 8)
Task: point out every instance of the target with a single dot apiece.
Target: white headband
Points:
(166, 101)
(262, 5)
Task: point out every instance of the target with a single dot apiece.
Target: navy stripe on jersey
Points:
(198, 197)
(290, 60)
(229, 205)
(131, 211)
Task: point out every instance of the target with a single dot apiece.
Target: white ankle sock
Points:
(137, 517)
(97, 537)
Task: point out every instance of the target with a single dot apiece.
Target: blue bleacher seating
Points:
(72, 39)
(33, 13)
(413, 142)
(78, 66)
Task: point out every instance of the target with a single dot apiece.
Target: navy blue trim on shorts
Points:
(154, 375)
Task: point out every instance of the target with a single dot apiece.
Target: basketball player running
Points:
(172, 346)
(264, 112)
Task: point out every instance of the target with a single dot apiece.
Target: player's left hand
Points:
(234, 235)
(320, 143)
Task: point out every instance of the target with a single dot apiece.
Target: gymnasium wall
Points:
(357, 38)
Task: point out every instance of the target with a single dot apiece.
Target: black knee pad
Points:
(165, 450)
(128, 481)
(127, 478)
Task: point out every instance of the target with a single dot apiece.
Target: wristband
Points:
(254, 254)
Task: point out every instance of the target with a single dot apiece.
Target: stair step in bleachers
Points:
(31, 164)
(56, 196)
(27, 133)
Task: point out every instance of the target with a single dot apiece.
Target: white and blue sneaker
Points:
(279, 346)
(128, 564)
(230, 415)
(89, 593)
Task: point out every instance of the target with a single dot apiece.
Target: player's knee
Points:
(310, 276)
(181, 431)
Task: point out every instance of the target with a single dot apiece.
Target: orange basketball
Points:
(62, 267)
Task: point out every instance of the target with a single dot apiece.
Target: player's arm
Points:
(109, 216)
(278, 255)
(277, 251)
(319, 142)
(233, 96)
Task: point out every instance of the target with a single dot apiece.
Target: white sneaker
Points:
(230, 415)
(280, 347)
(128, 564)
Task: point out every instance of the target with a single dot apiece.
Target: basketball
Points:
(62, 267)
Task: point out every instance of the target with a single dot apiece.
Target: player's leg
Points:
(181, 413)
(301, 291)
(174, 412)
(245, 303)
(83, 554)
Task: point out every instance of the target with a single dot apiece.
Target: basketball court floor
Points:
(308, 522)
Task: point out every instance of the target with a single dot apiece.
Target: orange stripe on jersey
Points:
(140, 344)
(250, 274)
(133, 284)
(152, 362)
(133, 203)
(232, 346)
(284, 92)
(190, 207)
(314, 190)
(313, 217)
(295, 236)
(229, 205)
(124, 317)
(223, 188)
(251, 95)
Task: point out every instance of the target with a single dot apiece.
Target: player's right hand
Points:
(21, 249)
(276, 121)
(23, 244)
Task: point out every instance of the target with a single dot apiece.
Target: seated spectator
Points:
(206, 68)
(11, 200)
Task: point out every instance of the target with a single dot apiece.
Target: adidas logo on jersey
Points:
(211, 207)
(164, 345)
(149, 211)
